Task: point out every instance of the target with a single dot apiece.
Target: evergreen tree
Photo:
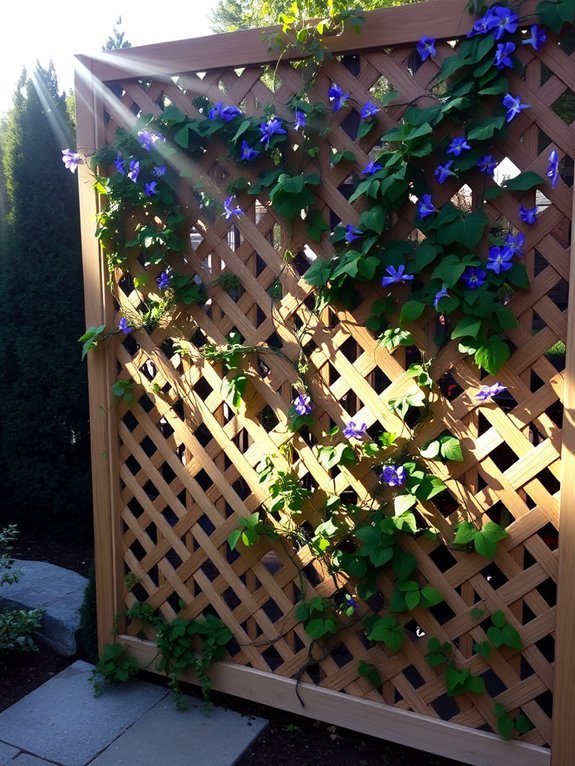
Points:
(117, 39)
(230, 15)
(44, 445)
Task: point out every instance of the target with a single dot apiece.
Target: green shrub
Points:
(17, 626)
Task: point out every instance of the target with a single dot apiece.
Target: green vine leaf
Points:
(387, 630)
(492, 355)
(524, 181)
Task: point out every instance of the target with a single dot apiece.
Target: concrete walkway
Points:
(62, 724)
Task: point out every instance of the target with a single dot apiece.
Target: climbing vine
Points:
(440, 277)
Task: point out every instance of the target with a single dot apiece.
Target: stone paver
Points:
(164, 735)
(30, 760)
(62, 721)
(7, 753)
(58, 592)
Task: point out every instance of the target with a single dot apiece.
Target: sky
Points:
(54, 31)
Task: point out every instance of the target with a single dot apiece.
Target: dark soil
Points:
(289, 740)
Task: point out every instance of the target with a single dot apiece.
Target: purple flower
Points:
(537, 39)
(349, 606)
(528, 214)
(502, 55)
(273, 127)
(553, 168)
(159, 171)
(353, 430)
(395, 275)
(124, 327)
(371, 168)
(225, 113)
(163, 280)
(368, 110)
(486, 392)
(481, 26)
(300, 120)
(458, 146)
(229, 211)
(147, 139)
(393, 475)
(426, 48)
(473, 277)
(120, 165)
(352, 232)
(439, 295)
(338, 98)
(426, 206)
(487, 165)
(499, 259)
(515, 243)
(442, 172)
(302, 404)
(71, 159)
(134, 170)
(248, 154)
(501, 20)
(150, 188)
(513, 105)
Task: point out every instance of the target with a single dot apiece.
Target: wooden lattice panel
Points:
(187, 461)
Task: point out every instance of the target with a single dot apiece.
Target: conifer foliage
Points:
(44, 445)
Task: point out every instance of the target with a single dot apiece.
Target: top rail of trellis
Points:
(399, 25)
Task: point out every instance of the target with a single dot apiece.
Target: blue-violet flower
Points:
(513, 105)
(71, 159)
(150, 188)
(225, 113)
(458, 146)
(371, 168)
(134, 170)
(486, 392)
(487, 165)
(500, 20)
(353, 430)
(163, 280)
(120, 165)
(147, 139)
(393, 475)
(248, 154)
(502, 55)
(338, 98)
(352, 232)
(474, 277)
(368, 110)
(439, 295)
(159, 171)
(442, 172)
(426, 206)
(300, 120)
(229, 210)
(426, 48)
(302, 404)
(395, 275)
(537, 38)
(273, 127)
(515, 243)
(553, 168)
(124, 327)
(499, 259)
(528, 214)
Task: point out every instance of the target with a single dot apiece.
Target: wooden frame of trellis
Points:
(384, 46)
